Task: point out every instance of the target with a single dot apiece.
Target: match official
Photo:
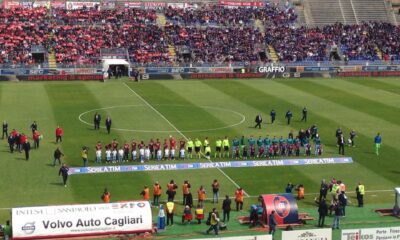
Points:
(96, 121)
(108, 124)
(64, 172)
(258, 121)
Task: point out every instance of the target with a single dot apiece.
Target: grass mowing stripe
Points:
(68, 101)
(350, 100)
(173, 126)
(263, 103)
(363, 90)
(385, 84)
(352, 118)
(35, 189)
(320, 111)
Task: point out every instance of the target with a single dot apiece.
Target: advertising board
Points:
(309, 234)
(371, 233)
(81, 220)
(80, 5)
(67, 77)
(242, 4)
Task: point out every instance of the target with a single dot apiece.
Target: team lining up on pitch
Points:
(242, 148)
(268, 147)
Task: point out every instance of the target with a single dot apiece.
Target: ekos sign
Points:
(272, 69)
(371, 233)
(81, 220)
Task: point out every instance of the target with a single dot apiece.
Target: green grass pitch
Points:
(207, 108)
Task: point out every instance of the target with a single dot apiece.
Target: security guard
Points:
(170, 209)
(360, 190)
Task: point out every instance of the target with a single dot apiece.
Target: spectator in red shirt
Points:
(36, 139)
(59, 133)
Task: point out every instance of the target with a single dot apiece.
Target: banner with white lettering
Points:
(207, 165)
(371, 233)
(81, 220)
(272, 69)
(325, 234)
(80, 5)
(242, 4)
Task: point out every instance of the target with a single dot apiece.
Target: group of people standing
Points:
(243, 148)
(338, 202)
(19, 141)
(288, 117)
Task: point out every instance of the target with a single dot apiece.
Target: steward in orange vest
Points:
(239, 199)
(185, 190)
(106, 197)
(171, 190)
(146, 193)
(300, 192)
(201, 196)
(156, 193)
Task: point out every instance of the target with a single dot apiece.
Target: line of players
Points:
(241, 149)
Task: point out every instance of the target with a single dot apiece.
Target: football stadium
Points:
(189, 119)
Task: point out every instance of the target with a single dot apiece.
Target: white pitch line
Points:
(178, 131)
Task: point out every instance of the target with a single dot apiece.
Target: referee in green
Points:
(218, 145)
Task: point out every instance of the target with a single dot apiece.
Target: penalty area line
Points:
(178, 131)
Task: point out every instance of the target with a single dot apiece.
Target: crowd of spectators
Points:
(20, 29)
(210, 33)
(223, 16)
(215, 45)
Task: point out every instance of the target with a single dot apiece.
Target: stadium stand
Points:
(207, 34)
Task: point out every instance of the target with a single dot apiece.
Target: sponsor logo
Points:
(141, 205)
(29, 228)
(356, 236)
(281, 206)
(272, 69)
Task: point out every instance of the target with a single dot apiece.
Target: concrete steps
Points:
(325, 12)
(172, 52)
(259, 24)
(273, 54)
(52, 60)
(371, 10)
(348, 12)
(161, 20)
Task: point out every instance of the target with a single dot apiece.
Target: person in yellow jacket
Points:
(199, 214)
(225, 146)
(360, 191)
(207, 151)
(197, 147)
(214, 220)
(205, 143)
(170, 210)
(218, 147)
(190, 146)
